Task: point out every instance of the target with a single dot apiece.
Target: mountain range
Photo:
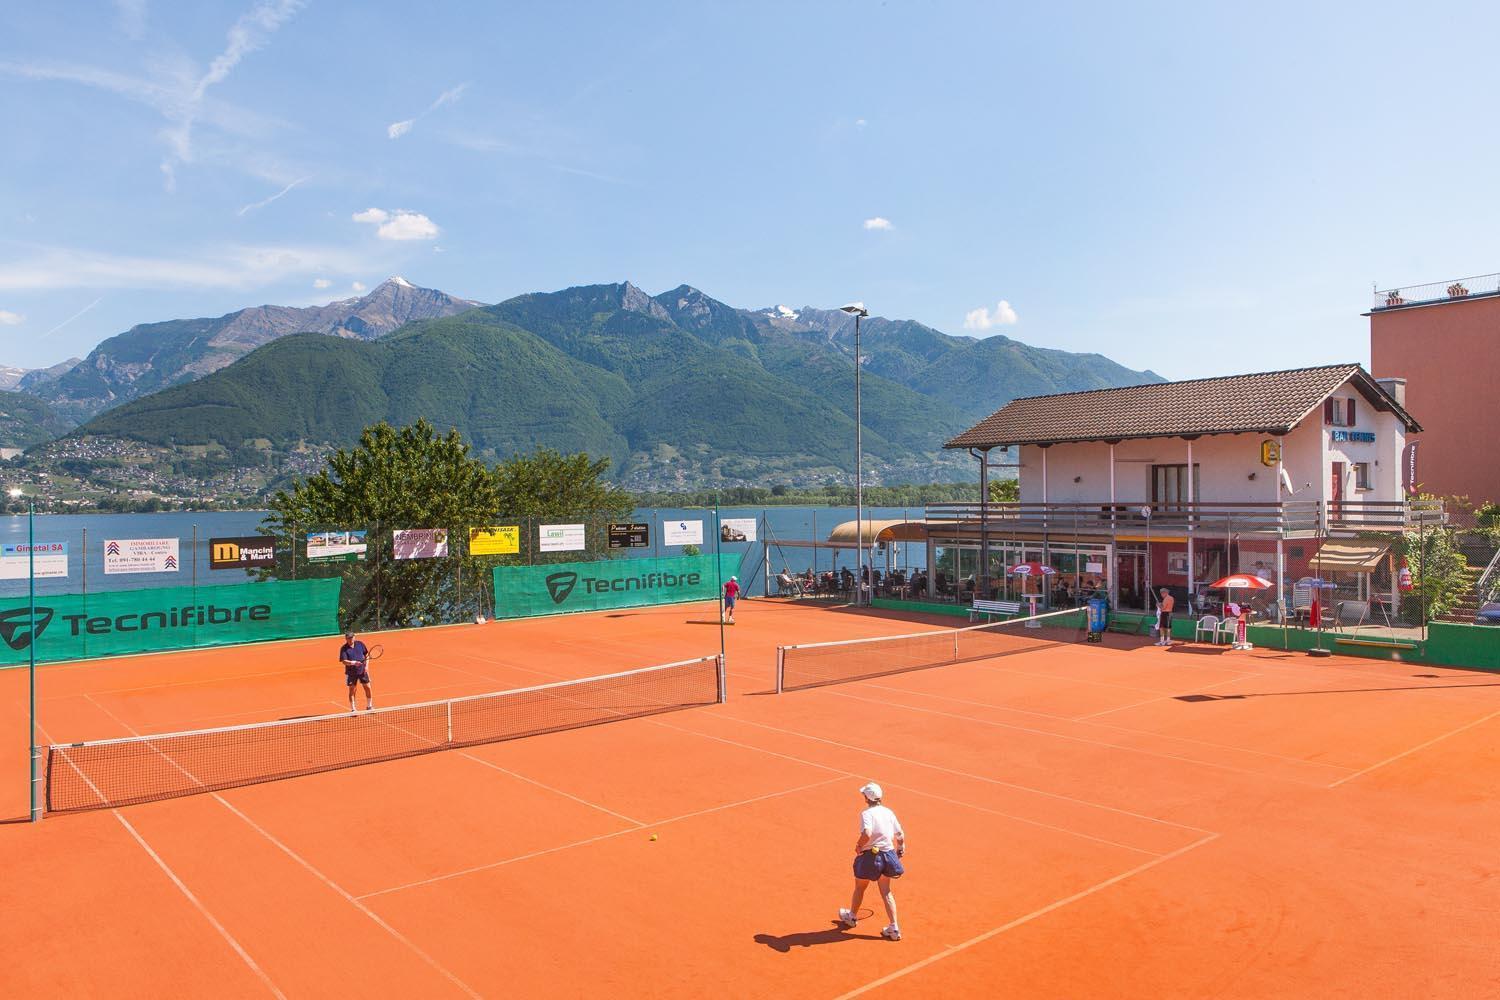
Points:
(677, 389)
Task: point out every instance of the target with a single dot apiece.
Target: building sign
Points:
(561, 537)
(249, 551)
(51, 559)
(1409, 467)
(737, 529)
(419, 543)
(632, 535)
(140, 555)
(336, 546)
(1362, 437)
(1270, 453)
(682, 533)
(499, 540)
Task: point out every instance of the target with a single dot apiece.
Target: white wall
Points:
(1225, 463)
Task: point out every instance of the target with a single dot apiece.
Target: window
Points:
(1169, 485)
(1338, 412)
(1362, 476)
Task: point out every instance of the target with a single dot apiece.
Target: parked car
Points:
(1489, 614)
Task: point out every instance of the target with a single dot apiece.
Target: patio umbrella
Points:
(1239, 581)
(1031, 569)
(1315, 616)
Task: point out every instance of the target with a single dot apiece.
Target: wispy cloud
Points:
(984, 318)
(73, 317)
(131, 16)
(278, 195)
(396, 130)
(400, 224)
(322, 283)
(8, 318)
(879, 224)
(232, 266)
(358, 286)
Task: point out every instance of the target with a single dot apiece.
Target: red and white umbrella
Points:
(1241, 581)
(1031, 569)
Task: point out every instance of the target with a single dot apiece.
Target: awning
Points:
(1349, 557)
(879, 531)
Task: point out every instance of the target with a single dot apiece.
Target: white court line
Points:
(295, 857)
(555, 791)
(1033, 915)
(1103, 725)
(602, 836)
(213, 921)
(918, 791)
(1073, 739)
(1419, 746)
(966, 774)
(1149, 701)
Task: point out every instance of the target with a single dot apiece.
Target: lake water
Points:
(86, 534)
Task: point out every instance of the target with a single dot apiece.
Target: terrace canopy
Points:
(878, 531)
(1350, 556)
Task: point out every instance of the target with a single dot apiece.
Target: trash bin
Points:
(1098, 617)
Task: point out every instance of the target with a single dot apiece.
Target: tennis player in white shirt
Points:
(877, 858)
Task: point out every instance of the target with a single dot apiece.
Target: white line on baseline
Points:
(918, 791)
(295, 857)
(602, 836)
(213, 921)
(1033, 915)
(966, 774)
(1419, 746)
(1073, 739)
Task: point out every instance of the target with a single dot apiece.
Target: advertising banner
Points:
(522, 591)
(420, 543)
(737, 529)
(336, 546)
(51, 560)
(500, 540)
(79, 626)
(140, 555)
(560, 538)
(682, 533)
(245, 552)
(629, 536)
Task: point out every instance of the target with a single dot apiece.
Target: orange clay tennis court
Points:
(1115, 820)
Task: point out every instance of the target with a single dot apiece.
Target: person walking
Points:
(877, 859)
(1164, 608)
(731, 594)
(356, 660)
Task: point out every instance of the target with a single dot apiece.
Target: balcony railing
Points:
(1438, 291)
(1289, 517)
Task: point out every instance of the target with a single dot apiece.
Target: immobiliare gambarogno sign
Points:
(522, 591)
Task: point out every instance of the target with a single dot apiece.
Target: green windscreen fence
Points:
(523, 591)
(79, 626)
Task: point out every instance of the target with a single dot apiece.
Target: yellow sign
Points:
(496, 541)
(1270, 454)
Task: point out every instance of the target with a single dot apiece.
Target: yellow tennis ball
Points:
(653, 836)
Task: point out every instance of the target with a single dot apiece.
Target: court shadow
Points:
(784, 943)
(1289, 694)
(705, 621)
(1197, 649)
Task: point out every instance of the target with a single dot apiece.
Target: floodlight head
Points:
(855, 309)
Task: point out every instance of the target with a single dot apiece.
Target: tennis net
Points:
(119, 772)
(818, 663)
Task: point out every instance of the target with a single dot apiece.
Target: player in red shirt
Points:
(731, 594)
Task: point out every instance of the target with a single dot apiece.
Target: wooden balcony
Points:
(1287, 519)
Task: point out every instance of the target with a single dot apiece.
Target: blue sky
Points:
(1193, 188)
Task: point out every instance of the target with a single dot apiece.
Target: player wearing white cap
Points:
(877, 858)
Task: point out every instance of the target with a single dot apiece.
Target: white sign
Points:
(561, 538)
(682, 533)
(51, 560)
(419, 543)
(737, 529)
(140, 555)
(1093, 567)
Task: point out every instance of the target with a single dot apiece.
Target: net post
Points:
(780, 668)
(39, 773)
(722, 680)
(449, 713)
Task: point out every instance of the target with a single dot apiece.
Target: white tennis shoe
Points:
(847, 918)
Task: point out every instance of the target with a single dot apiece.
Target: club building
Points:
(1285, 474)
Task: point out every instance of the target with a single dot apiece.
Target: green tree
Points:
(548, 486)
(1005, 490)
(407, 478)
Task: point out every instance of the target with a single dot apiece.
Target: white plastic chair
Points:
(1207, 624)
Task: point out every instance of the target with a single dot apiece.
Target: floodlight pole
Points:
(862, 576)
(36, 802)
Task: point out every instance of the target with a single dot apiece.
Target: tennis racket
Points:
(376, 652)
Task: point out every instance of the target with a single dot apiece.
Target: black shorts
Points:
(1166, 621)
(871, 865)
(356, 675)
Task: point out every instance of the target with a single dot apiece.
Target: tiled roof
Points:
(1262, 403)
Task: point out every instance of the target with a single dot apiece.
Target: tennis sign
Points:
(523, 591)
(501, 540)
(336, 546)
(140, 555)
(51, 559)
(245, 552)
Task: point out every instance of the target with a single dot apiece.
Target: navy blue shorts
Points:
(730, 599)
(871, 865)
(356, 675)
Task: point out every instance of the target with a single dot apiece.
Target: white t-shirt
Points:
(882, 826)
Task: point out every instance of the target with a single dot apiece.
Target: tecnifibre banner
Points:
(78, 626)
(522, 591)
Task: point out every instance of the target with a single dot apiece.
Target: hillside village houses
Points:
(1294, 474)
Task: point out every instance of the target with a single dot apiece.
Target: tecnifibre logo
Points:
(15, 626)
(560, 585)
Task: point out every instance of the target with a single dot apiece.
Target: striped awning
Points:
(1349, 557)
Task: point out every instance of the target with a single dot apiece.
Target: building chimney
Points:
(1395, 388)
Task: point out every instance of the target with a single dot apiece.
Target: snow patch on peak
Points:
(785, 312)
(400, 282)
